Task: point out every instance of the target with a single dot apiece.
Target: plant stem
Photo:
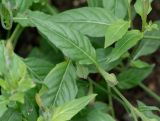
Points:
(90, 91)
(127, 103)
(150, 92)
(129, 13)
(152, 37)
(110, 101)
(15, 35)
(106, 91)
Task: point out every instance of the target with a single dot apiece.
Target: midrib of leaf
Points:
(72, 43)
(62, 80)
(92, 22)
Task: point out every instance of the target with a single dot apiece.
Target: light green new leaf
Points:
(117, 7)
(115, 32)
(68, 110)
(143, 7)
(61, 83)
(148, 45)
(14, 71)
(123, 45)
(91, 21)
(72, 43)
(97, 115)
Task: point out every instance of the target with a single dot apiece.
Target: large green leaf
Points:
(88, 20)
(133, 76)
(61, 83)
(123, 45)
(11, 115)
(72, 43)
(115, 32)
(117, 7)
(148, 45)
(68, 110)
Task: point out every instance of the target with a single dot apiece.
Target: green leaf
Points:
(94, 3)
(115, 32)
(133, 76)
(29, 109)
(38, 67)
(128, 41)
(86, 20)
(147, 111)
(61, 83)
(82, 87)
(6, 16)
(46, 47)
(11, 115)
(139, 64)
(117, 7)
(72, 43)
(3, 104)
(148, 45)
(96, 115)
(68, 110)
(143, 7)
